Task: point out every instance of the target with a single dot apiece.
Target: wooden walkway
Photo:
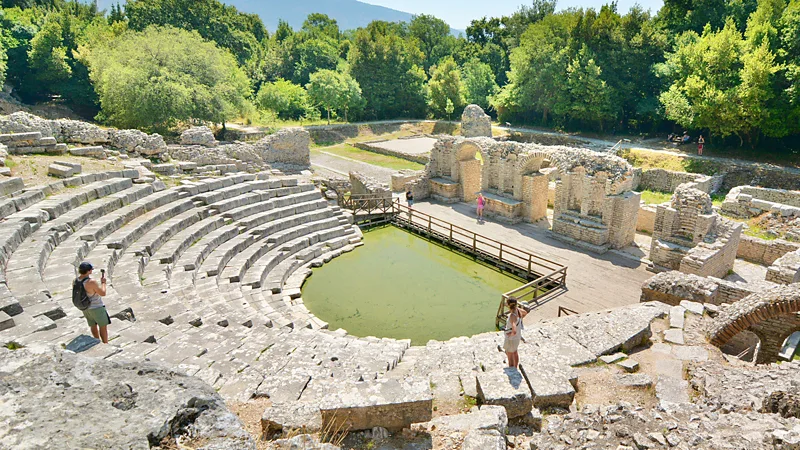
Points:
(595, 282)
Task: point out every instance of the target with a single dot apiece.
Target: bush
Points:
(156, 78)
(288, 100)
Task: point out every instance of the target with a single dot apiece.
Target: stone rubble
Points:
(199, 136)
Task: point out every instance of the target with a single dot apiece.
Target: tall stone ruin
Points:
(594, 210)
(475, 122)
(689, 236)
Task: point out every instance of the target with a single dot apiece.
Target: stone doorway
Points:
(469, 171)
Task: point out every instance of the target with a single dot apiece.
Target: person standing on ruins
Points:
(87, 292)
(700, 144)
(410, 198)
(481, 205)
(513, 332)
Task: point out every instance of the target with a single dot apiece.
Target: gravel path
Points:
(328, 162)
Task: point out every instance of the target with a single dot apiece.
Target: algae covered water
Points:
(399, 285)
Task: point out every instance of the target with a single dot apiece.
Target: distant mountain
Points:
(349, 14)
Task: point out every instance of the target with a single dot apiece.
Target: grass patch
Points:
(756, 230)
(390, 162)
(647, 159)
(655, 198)
(717, 199)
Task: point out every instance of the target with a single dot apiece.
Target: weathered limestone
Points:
(661, 180)
(475, 122)
(91, 152)
(60, 171)
(199, 136)
(135, 141)
(387, 403)
(750, 201)
(484, 440)
(290, 146)
(140, 405)
(690, 237)
(786, 269)
(506, 388)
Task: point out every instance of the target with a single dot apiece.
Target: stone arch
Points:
(771, 314)
(466, 151)
(469, 169)
(531, 163)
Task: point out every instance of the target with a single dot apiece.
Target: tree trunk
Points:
(345, 115)
(329, 116)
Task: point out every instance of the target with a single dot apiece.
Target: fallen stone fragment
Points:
(484, 440)
(59, 171)
(693, 307)
(638, 380)
(629, 365)
(676, 317)
(674, 336)
(690, 353)
(611, 359)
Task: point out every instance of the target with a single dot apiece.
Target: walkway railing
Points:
(367, 204)
(566, 311)
(545, 277)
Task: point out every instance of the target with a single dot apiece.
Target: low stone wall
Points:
(749, 201)
(444, 190)
(761, 251)
(661, 180)
(786, 269)
(370, 147)
(403, 179)
(673, 287)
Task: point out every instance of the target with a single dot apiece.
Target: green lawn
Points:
(655, 198)
(390, 162)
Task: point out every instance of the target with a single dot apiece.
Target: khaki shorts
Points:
(97, 316)
(511, 344)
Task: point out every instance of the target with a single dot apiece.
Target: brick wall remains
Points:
(764, 252)
(749, 201)
(772, 333)
(646, 220)
(786, 269)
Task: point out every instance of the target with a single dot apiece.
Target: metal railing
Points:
(566, 311)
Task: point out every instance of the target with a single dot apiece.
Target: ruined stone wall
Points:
(764, 252)
(405, 178)
(688, 236)
(290, 146)
(646, 220)
(715, 259)
(672, 287)
(749, 201)
(667, 181)
(786, 269)
(772, 333)
(534, 196)
(625, 210)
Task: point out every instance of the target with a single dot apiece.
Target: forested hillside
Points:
(727, 68)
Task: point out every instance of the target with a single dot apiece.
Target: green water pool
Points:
(399, 285)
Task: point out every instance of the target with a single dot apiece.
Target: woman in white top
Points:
(513, 332)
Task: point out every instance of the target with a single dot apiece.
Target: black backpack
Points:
(80, 298)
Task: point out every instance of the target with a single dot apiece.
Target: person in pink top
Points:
(481, 204)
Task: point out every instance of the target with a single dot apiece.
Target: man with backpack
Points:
(87, 296)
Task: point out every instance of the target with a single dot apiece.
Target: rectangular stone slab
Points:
(506, 388)
(550, 387)
(387, 403)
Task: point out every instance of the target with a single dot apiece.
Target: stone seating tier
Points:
(28, 143)
(219, 298)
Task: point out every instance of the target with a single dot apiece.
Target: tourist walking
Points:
(481, 205)
(513, 332)
(700, 144)
(87, 296)
(410, 198)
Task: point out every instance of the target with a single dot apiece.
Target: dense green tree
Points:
(720, 83)
(334, 91)
(286, 99)
(162, 75)
(48, 55)
(445, 88)
(3, 65)
(321, 24)
(433, 38)
(238, 32)
(386, 66)
(479, 83)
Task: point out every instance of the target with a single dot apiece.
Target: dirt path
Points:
(341, 166)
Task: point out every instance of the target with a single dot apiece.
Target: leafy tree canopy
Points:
(160, 76)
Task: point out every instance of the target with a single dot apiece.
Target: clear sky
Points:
(459, 13)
